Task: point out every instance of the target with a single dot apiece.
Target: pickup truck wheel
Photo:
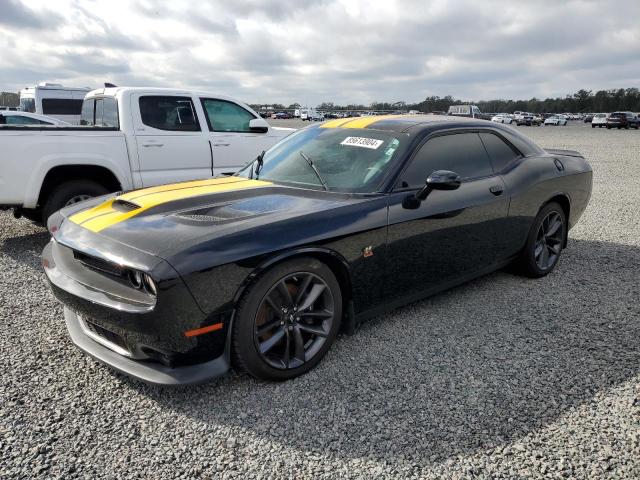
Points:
(68, 193)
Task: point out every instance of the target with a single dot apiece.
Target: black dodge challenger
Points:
(336, 223)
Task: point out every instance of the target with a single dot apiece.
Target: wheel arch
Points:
(63, 173)
(564, 201)
(335, 261)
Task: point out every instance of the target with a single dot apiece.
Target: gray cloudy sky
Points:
(312, 51)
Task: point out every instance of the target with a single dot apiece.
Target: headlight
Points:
(136, 279)
(142, 281)
(149, 284)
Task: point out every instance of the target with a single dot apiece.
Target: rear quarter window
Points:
(500, 153)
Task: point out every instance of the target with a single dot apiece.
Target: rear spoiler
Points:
(566, 153)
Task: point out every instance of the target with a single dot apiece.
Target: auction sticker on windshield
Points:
(371, 143)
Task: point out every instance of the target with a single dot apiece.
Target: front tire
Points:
(544, 243)
(287, 320)
(68, 193)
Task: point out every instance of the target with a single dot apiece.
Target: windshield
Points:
(338, 159)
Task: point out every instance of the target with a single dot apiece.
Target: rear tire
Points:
(276, 335)
(70, 192)
(545, 242)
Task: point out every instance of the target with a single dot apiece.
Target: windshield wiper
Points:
(258, 167)
(313, 167)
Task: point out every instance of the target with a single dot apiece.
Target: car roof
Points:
(402, 123)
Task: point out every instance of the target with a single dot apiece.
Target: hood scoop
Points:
(124, 205)
(233, 211)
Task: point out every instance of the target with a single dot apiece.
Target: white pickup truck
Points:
(128, 138)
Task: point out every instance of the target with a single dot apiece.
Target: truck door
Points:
(233, 142)
(170, 140)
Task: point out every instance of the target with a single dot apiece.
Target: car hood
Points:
(159, 219)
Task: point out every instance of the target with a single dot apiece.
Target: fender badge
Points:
(367, 251)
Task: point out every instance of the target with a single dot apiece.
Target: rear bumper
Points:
(149, 372)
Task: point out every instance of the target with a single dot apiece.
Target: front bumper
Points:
(124, 329)
(150, 372)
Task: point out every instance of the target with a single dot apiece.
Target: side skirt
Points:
(399, 302)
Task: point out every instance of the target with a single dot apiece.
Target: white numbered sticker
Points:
(363, 142)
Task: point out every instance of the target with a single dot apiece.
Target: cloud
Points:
(16, 15)
(310, 51)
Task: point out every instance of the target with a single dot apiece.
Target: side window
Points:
(462, 153)
(169, 113)
(223, 116)
(61, 106)
(499, 151)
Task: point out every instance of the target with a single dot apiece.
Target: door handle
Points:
(151, 144)
(496, 190)
(221, 144)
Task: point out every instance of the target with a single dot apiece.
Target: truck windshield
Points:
(337, 159)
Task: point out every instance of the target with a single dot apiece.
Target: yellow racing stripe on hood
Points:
(105, 215)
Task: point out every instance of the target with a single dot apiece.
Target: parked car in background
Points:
(588, 118)
(556, 120)
(470, 111)
(282, 115)
(54, 100)
(599, 120)
(502, 118)
(308, 114)
(623, 120)
(128, 138)
(338, 223)
(528, 119)
(9, 117)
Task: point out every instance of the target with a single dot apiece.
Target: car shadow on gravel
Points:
(467, 370)
(26, 249)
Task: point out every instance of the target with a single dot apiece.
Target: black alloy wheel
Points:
(549, 241)
(287, 320)
(545, 242)
(294, 320)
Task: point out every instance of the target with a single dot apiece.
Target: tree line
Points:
(9, 99)
(580, 102)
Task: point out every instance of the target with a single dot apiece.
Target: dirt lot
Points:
(504, 377)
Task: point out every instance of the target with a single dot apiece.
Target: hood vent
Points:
(124, 205)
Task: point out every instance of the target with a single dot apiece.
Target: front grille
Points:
(106, 334)
(98, 264)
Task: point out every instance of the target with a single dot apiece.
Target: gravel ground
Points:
(501, 378)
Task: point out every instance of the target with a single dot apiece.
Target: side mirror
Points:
(439, 180)
(258, 125)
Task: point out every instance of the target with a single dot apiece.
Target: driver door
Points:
(451, 234)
